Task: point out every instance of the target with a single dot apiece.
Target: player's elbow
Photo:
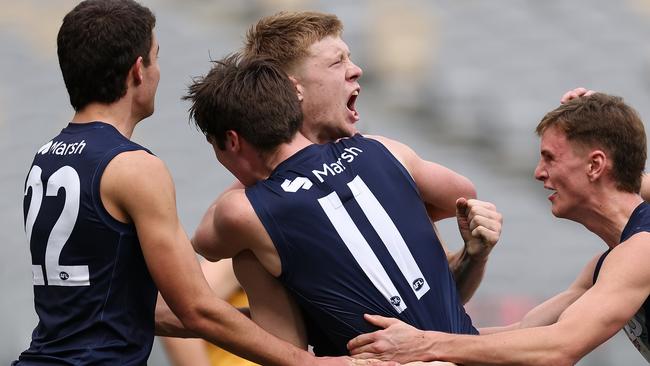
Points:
(205, 243)
(211, 320)
(195, 318)
(466, 188)
(202, 249)
(568, 353)
(193, 321)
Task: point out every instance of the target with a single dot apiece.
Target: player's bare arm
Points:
(479, 225)
(235, 228)
(192, 352)
(622, 287)
(205, 231)
(399, 338)
(549, 311)
(440, 189)
(271, 306)
(149, 202)
(449, 185)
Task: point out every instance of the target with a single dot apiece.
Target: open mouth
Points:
(553, 193)
(350, 105)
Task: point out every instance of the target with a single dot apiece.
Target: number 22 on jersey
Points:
(55, 273)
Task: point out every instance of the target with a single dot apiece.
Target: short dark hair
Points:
(98, 43)
(605, 122)
(252, 97)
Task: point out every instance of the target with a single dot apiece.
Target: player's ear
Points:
(298, 86)
(137, 71)
(596, 165)
(233, 141)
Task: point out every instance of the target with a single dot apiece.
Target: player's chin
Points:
(557, 211)
(350, 128)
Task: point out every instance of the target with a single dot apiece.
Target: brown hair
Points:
(606, 122)
(286, 36)
(98, 43)
(252, 97)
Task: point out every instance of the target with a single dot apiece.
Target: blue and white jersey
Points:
(93, 293)
(354, 237)
(637, 328)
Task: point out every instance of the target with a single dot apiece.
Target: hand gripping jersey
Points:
(637, 328)
(93, 293)
(354, 237)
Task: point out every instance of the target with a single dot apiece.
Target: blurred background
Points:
(463, 82)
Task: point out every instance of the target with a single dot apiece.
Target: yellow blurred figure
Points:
(220, 357)
(197, 352)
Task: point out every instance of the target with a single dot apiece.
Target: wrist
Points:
(430, 351)
(305, 358)
(474, 256)
(477, 258)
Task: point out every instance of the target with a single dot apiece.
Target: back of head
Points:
(252, 97)
(98, 43)
(604, 122)
(287, 36)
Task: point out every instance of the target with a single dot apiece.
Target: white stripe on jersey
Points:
(393, 240)
(360, 249)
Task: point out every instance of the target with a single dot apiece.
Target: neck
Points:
(608, 216)
(284, 152)
(118, 114)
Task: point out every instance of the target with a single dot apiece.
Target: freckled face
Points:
(329, 81)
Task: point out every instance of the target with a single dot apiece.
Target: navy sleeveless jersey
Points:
(637, 328)
(93, 293)
(354, 237)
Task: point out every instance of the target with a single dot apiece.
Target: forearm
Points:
(231, 329)
(168, 324)
(228, 328)
(505, 328)
(536, 346)
(468, 273)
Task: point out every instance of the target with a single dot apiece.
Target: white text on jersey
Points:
(61, 148)
(337, 166)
